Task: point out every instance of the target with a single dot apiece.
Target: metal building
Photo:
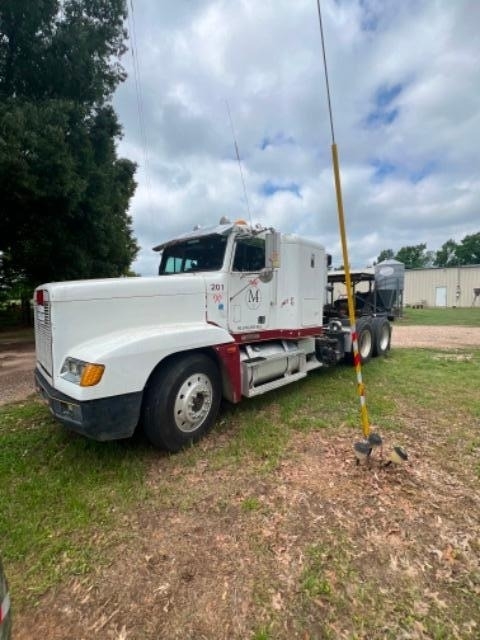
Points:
(442, 287)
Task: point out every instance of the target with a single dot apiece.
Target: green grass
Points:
(469, 317)
(56, 490)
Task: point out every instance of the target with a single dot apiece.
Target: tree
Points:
(414, 257)
(385, 254)
(66, 49)
(446, 256)
(452, 254)
(468, 251)
(64, 194)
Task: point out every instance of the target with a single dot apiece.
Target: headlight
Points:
(82, 373)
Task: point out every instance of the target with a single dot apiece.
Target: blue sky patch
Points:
(384, 113)
(278, 139)
(270, 188)
(377, 118)
(369, 19)
(386, 95)
(423, 172)
(382, 169)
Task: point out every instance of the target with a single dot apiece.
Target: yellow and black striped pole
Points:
(357, 361)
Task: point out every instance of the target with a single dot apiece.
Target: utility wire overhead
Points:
(139, 99)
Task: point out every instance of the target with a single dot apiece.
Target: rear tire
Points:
(382, 336)
(366, 336)
(181, 402)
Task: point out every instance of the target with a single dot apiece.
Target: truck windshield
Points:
(196, 254)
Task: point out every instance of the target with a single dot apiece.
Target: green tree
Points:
(64, 193)
(468, 251)
(447, 256)
(385, 254)
(414, 256)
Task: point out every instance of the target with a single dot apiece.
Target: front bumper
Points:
(103, 419)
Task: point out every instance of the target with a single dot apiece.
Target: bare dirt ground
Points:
(17, 361)
(435, 337)
(17, 358)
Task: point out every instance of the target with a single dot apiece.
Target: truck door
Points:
(249, 297)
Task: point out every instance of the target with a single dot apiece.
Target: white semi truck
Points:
(235, 311)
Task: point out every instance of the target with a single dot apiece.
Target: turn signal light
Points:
(91, 375)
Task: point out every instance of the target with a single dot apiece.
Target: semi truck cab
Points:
(235, 311)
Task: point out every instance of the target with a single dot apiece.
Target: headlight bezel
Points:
(81, 373)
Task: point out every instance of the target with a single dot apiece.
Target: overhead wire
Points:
(139, 99)
(239, 163)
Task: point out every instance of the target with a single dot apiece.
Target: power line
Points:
(139, 98)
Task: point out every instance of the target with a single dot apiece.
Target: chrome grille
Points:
(43, 336)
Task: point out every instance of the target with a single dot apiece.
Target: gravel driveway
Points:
(17, 359)
(435, 337)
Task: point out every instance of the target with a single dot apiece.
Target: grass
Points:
(56, 490)
(322, 542)
(469, 317)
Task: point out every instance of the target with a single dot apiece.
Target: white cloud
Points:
(404, 79)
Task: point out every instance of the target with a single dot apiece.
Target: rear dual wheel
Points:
(373, 336)
(365, 338)
(383, 336)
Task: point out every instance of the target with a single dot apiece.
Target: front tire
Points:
(181, 402)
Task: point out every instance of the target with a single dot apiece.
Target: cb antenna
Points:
(239, 163)
(343, 236)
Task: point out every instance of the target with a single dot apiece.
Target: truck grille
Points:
(43, 336)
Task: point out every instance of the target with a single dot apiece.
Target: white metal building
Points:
(442, 287)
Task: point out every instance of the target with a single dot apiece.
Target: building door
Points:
(440, 296)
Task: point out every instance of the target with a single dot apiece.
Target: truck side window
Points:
(249, 255)
(172, 264)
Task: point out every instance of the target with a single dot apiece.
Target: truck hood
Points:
(114, 288)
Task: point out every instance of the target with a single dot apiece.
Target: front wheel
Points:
(181, 402)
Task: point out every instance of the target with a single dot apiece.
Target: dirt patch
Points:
(435, 337)
(231, 553)
(17, 362)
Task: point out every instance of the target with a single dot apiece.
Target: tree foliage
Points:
(446, 256)
(450, 254)
(64, 194)
(385, 254)
(414, 256)
(468, 251)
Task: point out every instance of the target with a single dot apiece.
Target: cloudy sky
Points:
(405, 84)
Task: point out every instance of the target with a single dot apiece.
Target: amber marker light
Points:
(91, 375)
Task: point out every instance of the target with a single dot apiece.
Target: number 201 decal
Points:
(217, 287)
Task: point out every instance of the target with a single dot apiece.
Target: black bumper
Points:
(104, 419)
